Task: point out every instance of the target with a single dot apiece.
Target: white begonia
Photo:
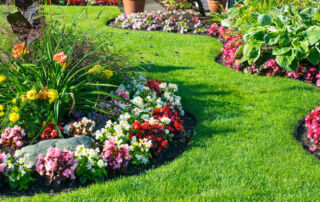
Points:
(163, 85)
(153, 121)
(101, 164)
(173, 87)
(165, 120)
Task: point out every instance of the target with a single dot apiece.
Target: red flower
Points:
(136, 125)
(164, 143)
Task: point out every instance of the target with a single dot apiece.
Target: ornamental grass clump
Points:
(56, 74)
(57, 166)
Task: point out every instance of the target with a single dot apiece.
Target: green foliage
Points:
(292, 36)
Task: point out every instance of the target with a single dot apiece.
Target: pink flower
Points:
(60, 58)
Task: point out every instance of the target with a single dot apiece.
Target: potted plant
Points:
(215, 6)
(133, 6)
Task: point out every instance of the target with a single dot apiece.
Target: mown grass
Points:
(243, 150)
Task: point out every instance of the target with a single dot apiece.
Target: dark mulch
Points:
(174, 150)
(300, 134)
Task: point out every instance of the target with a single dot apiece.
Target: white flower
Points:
(100, 164)
(165, 120)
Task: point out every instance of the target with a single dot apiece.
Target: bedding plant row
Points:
(63, 85)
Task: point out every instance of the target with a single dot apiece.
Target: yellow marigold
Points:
(2, 113)
(3, 78)
(1, 108)
(14, 100)
(19, 50)
(14, 117)
(107, 73)
(52, 95)
(32, 95)
(15, 109)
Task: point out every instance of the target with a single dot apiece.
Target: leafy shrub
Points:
(292, 37)
(57, 166)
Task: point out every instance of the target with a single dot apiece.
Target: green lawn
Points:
(243, 150)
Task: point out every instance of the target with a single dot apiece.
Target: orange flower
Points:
(60, 58)
(43, 94)
(19, 50)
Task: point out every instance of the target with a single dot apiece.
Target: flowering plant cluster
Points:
(92, 2)
(149, 124)
(116, 154)
(41, 92)
(50, 131)
(312, 123)
(90, 164)
(83, 127)
(57, 165)
(16, 169)
(170, 21)
(13, 137)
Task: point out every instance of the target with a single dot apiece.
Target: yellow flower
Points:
(32, 95)
(2, 113)
(14, 100)
(52, 95)
(1, 108)
(3, 78)
(93, 68)
(15, 109)
(107, 74)
(14, 117)
(23, 98)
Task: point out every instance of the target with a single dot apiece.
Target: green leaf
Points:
(286, 59)
(313, 35)
(314, 56)
(251, 52)
(281, 50)
(271, 38)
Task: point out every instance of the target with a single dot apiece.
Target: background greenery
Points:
(243, 150)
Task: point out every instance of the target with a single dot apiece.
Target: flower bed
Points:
(171, 21)
(72, 91)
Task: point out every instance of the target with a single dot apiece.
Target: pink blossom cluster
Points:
(272, 68)
(3, 163)
(13, 137)
(116, 155)
(313, 125)
(232, 42)
(229, 51)
(57, 165)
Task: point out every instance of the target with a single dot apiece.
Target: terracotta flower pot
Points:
(133, 6)
(214, 6)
